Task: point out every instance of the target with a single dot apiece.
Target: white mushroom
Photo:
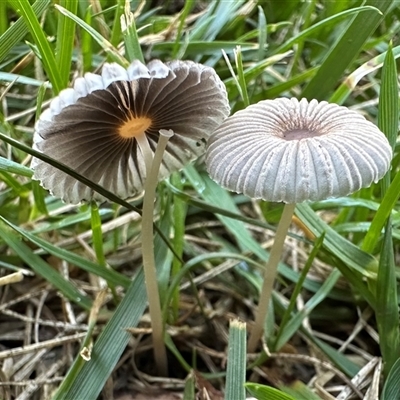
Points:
(290, 151)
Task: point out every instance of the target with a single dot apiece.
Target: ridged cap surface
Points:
(285, 150)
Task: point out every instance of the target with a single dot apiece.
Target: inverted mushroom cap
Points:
(291, 151)
(93, 127)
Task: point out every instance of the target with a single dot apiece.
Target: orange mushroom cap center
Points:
(134, 127)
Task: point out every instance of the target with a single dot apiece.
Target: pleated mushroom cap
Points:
(93, 127)
(285, 150)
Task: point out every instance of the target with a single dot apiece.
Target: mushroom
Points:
(290, 151)
(106, 125)
(126, 129)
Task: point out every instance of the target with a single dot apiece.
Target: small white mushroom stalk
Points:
(152, 168)
(126, 129)
(290, 151)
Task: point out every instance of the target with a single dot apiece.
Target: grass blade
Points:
(41, 267)
(65, 41)
(131, 38)
(293, 298)
(300, 391)
(182, 20)
(109, 275)
(339, 359)
(3, 17)
(261, 392)
(189, 392)
(218, 15)
(86, 344)
(345, 50)
(113, 340)
(386, 311)
(215, 195)
(346, 251)
(385, 209)
(295, 323)
(236, 371)
(108, 347)
(391, 390)
(98, 243)
(87, 43)
(97, 234)
(388, 123)
(241, 78)
(19, 29)
(354, 78)
(46, 54)
(116, 26)
(179, 216)
(386, 285)
(262, 33)
(323, 24)
(10, 166)
(111, 51)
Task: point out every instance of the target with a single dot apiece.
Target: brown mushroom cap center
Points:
(298, 134)
(134, 127)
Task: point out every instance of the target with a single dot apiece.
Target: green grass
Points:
(210, 244)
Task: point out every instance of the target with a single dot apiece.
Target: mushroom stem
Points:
(270, 274)
(152, 165)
